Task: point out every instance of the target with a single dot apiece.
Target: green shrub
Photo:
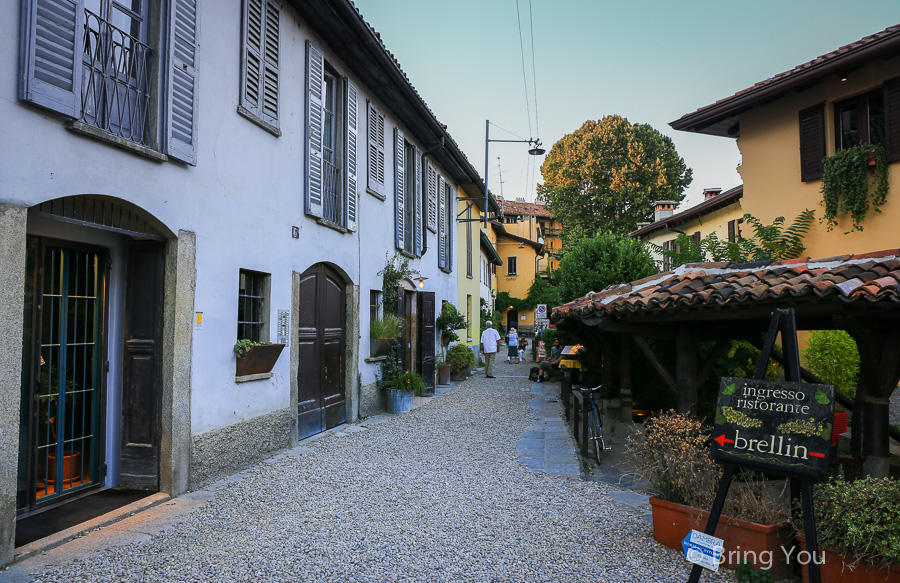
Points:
(459, 356)
(410, 381)
(859, 519)
(450, 321)
(832, 356)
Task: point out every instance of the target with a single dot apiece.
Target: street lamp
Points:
(535, 150)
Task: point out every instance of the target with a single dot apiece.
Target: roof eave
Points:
(712, 119)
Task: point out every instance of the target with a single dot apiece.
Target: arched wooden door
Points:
(321, 344)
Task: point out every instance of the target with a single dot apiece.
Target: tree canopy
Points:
(606, 175)
(594, 264)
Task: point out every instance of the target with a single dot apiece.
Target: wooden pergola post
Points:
(686, 369)
(625, 381)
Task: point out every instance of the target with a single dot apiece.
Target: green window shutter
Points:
(182, 127)
(352, 134)
(399, 190)
(315, 79)
(375, 152)
(52, 49)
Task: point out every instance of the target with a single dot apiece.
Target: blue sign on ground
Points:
(703, 549)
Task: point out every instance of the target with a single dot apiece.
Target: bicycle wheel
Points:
(596, 438)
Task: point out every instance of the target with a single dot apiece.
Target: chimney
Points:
(663, 209)
(709, 193)
(642, 224)
(520, 199)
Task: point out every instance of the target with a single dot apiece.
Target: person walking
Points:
(512, 347)
(490, 344)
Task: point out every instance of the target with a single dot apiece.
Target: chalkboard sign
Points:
(774, 426)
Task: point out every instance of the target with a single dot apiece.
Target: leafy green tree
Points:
(606, 175)
(594, 264)
(543, 291)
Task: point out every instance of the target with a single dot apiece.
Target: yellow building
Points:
(520, 257)
(787, 124)
(471, 254)
(533, 221)
(720, 213)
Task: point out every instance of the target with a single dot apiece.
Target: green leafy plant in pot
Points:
(255, 357)
(400, 397)
(384, 333)
(461, 359)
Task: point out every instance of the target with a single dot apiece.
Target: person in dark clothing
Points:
(552, 363)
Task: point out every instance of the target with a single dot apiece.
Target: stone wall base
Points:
(223, 451)
(371, 400)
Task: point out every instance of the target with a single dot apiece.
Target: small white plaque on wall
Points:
(284, 326)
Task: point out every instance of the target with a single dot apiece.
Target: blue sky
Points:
(650, 61)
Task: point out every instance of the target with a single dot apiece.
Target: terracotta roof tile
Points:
(894, 252)
(524, 208)
(875, 280)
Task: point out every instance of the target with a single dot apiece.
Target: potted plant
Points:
(671, 452)
(400, 397)
(461, 360)
(255, 357)
(448, 322)
(384, 333)
(857, 530)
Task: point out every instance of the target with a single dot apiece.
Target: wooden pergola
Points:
(722, 302)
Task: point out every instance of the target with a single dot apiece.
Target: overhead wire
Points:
(524, 74)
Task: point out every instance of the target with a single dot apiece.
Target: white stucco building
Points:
(177, 175)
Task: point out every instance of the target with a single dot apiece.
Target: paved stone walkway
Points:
(447, 492)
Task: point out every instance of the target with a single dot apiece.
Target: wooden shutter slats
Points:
(400, 190)
(375, 156)
(183, 105)
(52, 49)
(442, 224)
(352, 133)
(315, 78)
(417, 201)
(892, 118)
(812, 142)
(432, 198)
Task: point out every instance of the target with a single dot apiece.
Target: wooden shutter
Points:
(375, 155)
(399, 190)
(448, 227)
(892, 118)
(261, 55)
(432, 198)
(697, 240)
(352, 134)
(442, 224)
(182, 127)
(417, 201)
(315, 80)
(52, 48)
(812, 142)
(731, 232)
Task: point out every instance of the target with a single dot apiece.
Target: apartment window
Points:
(93, 61)
(669, 246)
(259, 67)
(432, 189)
(468, 226)
(511, 266)
(375, 158)
(332, 119)
(734, 230)
(253, 306)
(408, 199)
(860, 120)
(510, 219)
(375, 310)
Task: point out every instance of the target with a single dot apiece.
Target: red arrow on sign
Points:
(814, 454)
(722, 441)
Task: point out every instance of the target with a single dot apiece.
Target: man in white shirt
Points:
(490, 344)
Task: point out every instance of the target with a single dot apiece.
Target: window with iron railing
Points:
(253, 308)
(117, 71)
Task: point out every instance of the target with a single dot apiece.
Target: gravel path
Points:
(433, 495)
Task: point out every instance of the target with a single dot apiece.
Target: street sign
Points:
(774, 425)
(703, 549)
(541, 310)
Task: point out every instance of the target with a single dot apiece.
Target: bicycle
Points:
(595, 423)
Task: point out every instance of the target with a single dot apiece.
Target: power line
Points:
(534, 72)
(524, 75)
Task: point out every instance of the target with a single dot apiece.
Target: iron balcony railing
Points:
(332, 199)
(115, 91)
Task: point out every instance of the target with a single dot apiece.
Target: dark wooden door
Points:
(141, 388)
(426, 340)
(321, 345)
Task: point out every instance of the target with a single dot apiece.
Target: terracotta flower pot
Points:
(839, 426)
(743, 540)
(444, 375)
(836, 569)
(71, 467)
